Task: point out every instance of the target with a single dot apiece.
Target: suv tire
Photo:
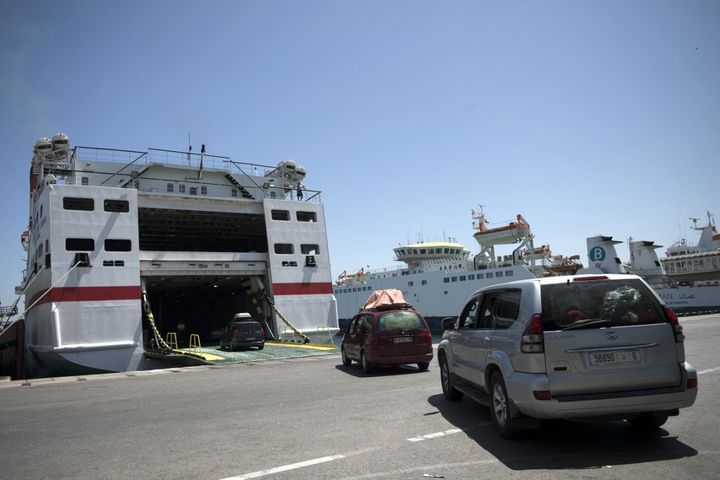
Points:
(449, 390)
(500, 406)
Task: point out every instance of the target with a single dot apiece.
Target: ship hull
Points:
(691, 299)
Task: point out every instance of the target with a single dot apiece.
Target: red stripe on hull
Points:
(302, 288)
(88, 294)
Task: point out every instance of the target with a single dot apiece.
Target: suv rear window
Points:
(391, 322)
(598, 303)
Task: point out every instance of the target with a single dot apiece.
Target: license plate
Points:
(614, 358)
(402, 339)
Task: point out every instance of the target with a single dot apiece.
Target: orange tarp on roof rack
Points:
(385, 298)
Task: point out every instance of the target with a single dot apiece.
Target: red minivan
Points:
(384, 337)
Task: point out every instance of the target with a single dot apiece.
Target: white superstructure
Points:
(208, 236)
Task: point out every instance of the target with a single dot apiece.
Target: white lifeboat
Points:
(510, 233)
(541, 252)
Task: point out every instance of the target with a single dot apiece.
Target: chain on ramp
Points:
(151, 319)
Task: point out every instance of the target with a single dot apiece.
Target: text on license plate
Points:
(402, 339)
(614, 358)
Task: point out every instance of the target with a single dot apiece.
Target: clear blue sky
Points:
(586, 117)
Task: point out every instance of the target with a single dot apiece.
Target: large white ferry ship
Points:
(438, 277)
(203, 236)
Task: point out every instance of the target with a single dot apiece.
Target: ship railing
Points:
(248, 171)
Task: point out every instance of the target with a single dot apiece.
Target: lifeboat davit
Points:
(510, 233)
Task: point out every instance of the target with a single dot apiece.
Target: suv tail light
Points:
(673, 319)
(532, 339)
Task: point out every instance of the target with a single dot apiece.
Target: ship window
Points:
(446, 250)
(410, 284)
(481, 276)
(181, 188)
(306, 216)
(284, 248)
(454, 279)
(117, 245)
(122, 206)
(462, 278)
(310, 249)
(233, 192)
(489, 275)
(283, 215)
(509, 273)
(424, 282)
(422, 251)
(471, 277)
(203, 190)
(74, 203)
(84, 181)
(499, 274)
(79, 244)
(446, 280)
(170, 187)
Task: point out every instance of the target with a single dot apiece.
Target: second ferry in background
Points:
(438, 277)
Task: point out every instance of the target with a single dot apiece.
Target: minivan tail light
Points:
(692, 383)
(532, 339)
(673, 319)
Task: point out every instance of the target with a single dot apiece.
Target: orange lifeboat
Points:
(510, 233)
(565, 265)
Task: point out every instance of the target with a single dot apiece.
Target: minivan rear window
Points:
(598, 303)
(392, 322)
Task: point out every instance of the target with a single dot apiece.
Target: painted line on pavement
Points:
(709, 370)
(434, 435)
(295, 466)
(285, 468)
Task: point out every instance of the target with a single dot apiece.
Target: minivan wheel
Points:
(366, 367)
(648, 420)
(450, 392)
(423, 366)
(500, 406)
(345, 359)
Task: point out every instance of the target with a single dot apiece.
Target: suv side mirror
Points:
(448, 323)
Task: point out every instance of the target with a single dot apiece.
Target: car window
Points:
(599, 303)
(487, 311)
(397, 321)
(508, 308)
(468, 315)
(353, 325)
(365, 324)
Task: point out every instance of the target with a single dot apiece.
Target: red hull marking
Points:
(88, 294)
(302, 288)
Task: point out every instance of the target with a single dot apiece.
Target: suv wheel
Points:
(450, 392)
(648, 420)
(366, 367)
(500, 406)
(345, 359)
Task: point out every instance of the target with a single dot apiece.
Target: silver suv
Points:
(596, 346)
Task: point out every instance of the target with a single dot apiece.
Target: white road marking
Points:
(434, 435)
(285, 468)
(709, 370)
